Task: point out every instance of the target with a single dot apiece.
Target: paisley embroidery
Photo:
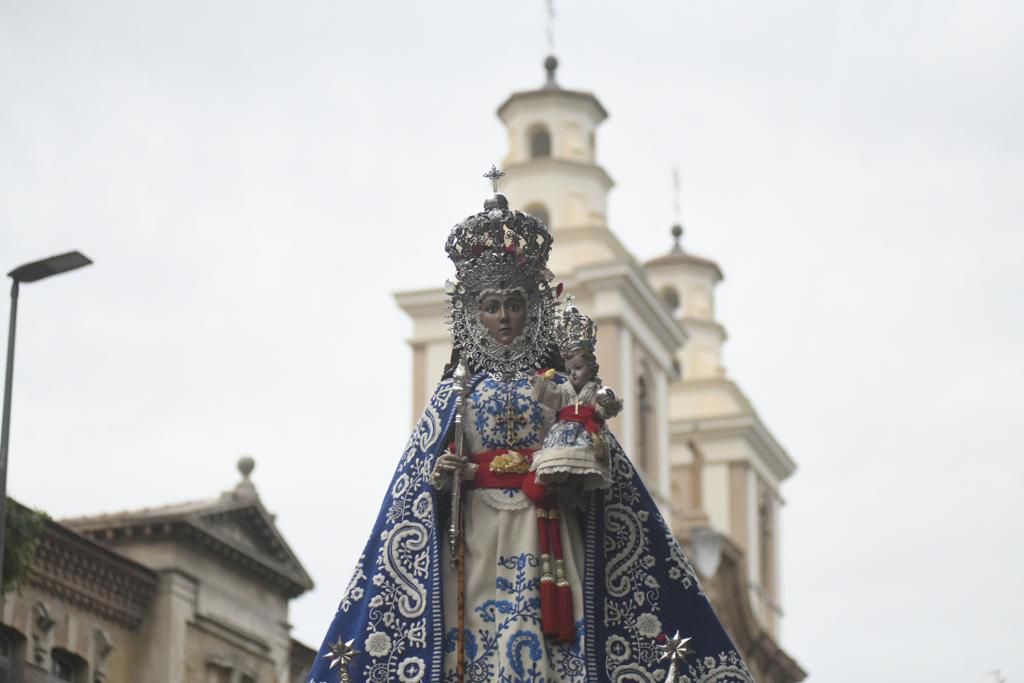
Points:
(650, 588)
(623, 532)
(635, 578)
(403, 559)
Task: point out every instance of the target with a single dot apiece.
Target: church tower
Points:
(709, 462)
(552, 171)
(726, 465)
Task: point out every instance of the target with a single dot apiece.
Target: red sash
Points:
(585, 414)
(555, 594)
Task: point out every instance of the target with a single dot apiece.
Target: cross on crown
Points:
(493, 175)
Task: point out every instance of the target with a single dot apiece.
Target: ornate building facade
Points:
(190, 593)
(710, 462)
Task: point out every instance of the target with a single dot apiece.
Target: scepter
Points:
(455, 535)
(461, 378)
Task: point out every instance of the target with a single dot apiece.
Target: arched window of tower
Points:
(540, 142)
(670, 295)
(540, 212)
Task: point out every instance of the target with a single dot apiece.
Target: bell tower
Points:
(686, 284)
(552, 171)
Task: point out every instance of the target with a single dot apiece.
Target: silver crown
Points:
(500, 250)
(576, 331)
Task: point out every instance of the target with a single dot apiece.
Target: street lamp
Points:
(30, 272)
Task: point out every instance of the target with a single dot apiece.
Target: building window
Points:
(670, 295)
(65, 667)
(540, 142)
(540, 212)
(222, 672)
(216, 673)
(12, 655)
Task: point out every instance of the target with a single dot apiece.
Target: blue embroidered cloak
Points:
(637, 583)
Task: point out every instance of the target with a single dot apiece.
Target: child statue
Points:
(575, 452)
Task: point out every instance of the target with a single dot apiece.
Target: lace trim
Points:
(578, 461)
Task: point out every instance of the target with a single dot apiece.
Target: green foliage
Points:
(23, 529)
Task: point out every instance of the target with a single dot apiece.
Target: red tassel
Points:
(566, 627)
(548, 594)
(549, 608)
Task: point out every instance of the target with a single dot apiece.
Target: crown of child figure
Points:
(576, 331)
(498, 242)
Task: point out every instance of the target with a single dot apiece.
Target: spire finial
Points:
(551, 63)
(677, 236)
(551, 66)
(246, 465)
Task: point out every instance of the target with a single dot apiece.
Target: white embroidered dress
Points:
(569, 447)
(504, 639)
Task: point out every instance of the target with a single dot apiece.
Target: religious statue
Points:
(574, 450)
(516, 542)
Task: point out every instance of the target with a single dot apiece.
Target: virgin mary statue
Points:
(475, 569)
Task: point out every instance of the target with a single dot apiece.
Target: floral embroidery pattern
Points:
(523, 655)
(637, 582)
(649, 588)
(488, 408)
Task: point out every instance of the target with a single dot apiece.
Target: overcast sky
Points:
(255, 179)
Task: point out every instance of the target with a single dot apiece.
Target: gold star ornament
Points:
(675, 650)
(341, 654)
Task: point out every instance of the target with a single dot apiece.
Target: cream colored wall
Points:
(579, 200)
(237, 600)
(570, 120)
(701, 357)
(690, 401)
(695, 285)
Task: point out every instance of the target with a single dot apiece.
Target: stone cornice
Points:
(420, 303)
(625, 279)
(544, 164)
(703, 324)
(682, 258)
(553, 93)
(746, 424)
(279, 569)
(92, 577)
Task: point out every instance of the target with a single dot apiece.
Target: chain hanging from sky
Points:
(550, 29)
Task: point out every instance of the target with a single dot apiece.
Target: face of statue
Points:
(580, 370)
(504, 316)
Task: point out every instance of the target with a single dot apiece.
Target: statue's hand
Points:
(609, 403)
(447, 465)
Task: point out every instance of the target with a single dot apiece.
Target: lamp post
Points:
(29, 272)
